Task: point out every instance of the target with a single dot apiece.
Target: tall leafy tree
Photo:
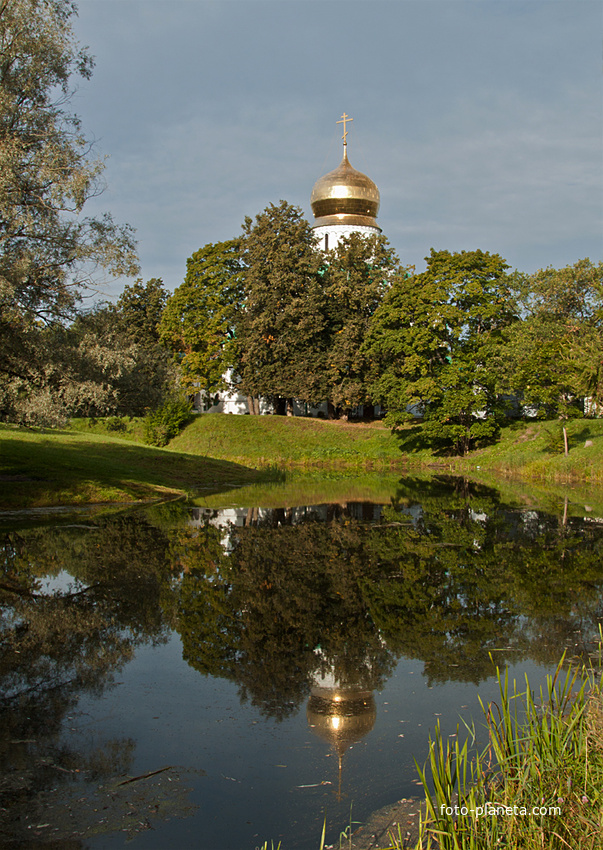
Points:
(130, 371)
(357, 276)
(92, 368)
(553, 358)
(431, 345)
(48, 249)
(140, 308)
(199, 320)
(280, 332)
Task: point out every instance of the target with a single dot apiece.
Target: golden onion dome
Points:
(345, 196)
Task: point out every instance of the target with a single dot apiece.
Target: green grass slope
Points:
(87, 464)
(40, 468)
(533, 451)
(283, 441)
(528, 450)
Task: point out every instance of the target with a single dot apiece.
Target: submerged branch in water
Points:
(144, 775)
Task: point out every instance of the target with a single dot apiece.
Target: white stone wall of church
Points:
(336, 232)
(229, 400)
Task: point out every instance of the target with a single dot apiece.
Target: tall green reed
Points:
(538, 782)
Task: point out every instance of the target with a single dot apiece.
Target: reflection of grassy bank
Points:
(303, 488)
(54, 468)
(573, 499)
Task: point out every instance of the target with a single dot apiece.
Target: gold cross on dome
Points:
(343, 120)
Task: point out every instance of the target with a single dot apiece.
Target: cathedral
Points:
(343, 202)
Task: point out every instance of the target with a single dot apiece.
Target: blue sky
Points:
(481, 121)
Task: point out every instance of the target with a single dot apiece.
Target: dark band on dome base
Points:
(345, 196)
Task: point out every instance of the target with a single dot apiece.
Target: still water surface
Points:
(215, 676)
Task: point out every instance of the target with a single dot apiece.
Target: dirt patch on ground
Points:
(400, 819)
(528, 434)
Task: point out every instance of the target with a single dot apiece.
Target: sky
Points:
(481, 121)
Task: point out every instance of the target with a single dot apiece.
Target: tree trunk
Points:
(290, 407)
(331, 411)
(280, 406)
(565, 446)
(253, 405)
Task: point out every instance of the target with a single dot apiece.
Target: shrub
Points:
(116, 424)
(164, 423)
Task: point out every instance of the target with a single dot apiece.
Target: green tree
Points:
(573, 293)
(280, 332)
(131, 371)
(92, 368)
(553, 356)
(140, 308)
(48, 250)
(198, 321)
(431, 345)
(355, 280)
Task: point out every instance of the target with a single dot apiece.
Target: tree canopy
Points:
(140, 309)
(289, 320)
(431, 345)
(280, 328)
(356, 277)
(199, 320)
(49, 250)
(553, 359)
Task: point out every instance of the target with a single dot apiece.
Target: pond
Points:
(215, 675)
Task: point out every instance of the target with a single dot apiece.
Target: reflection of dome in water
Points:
(341, 716)
(345, 196)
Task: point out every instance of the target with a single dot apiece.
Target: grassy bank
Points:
(534, 451)
(104, 460)
(289, 441)
(528, 450)
(39, 468)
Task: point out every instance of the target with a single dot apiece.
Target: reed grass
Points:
(543, 754)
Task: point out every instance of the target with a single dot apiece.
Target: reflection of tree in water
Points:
(489, 579)
(60, 639)
(259, 616)
(448, 575)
